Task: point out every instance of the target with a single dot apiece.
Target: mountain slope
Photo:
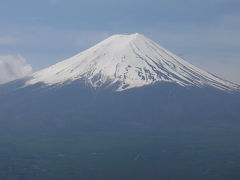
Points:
(128, 61)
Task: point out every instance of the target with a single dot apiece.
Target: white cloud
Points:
(13, 67)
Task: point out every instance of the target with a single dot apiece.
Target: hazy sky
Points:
(205, 33)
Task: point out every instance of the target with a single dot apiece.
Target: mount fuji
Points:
(128, 61)
(125, 77)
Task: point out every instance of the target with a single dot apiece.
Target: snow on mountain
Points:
(127, 61)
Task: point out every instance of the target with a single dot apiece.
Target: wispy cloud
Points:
(213, 47)
(228, 71)
(13, 67)
(8, 40)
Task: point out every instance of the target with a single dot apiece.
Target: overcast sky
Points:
(205, 33)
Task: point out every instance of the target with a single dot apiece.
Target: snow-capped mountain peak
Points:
(127, 61)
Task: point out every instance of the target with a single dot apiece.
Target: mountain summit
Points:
(127, 61)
